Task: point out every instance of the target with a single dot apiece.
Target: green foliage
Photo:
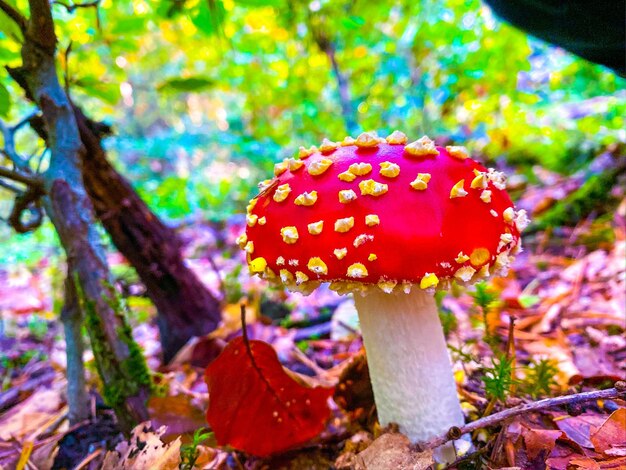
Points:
(498, 378)
(539, 380)
(207, 94)
(189, 452)
(593, 195)
(484, 296)
(5, 100)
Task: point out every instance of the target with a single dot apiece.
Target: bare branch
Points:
(71, 7)
(28, 201)
(16, 16)
(10, 187)
(9, 151)
(20, 177)
(618, 392)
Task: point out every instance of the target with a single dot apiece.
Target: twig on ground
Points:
(619, 391)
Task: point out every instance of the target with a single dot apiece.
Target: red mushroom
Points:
(390, 221)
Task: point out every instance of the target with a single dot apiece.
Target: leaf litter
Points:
(567, 298)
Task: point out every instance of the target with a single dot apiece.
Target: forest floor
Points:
(562, 308)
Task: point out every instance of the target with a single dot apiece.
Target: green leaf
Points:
(107, 92)
(7, 25)
(210, 17)
(5, 100)
(189, 84)
(260, 3)
(527, 301)
(132, 26)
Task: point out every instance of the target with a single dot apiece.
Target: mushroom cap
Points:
(375, 211)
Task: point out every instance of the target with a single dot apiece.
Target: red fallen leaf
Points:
(540, 441)
(612, 432)
(256, 407)
(178, 414)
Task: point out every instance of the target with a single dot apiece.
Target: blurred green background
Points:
(205, 95)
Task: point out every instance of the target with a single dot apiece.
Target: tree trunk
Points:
(185, 306)
(122, 368)
(72, 319)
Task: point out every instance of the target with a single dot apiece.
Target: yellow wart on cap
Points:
(421, 182)
(429, 280)
(317, 266)
(485, 196)
(304, 153)
(289, 234)
(361, 239)
(372, 220)
(396, 137)
(508, 215)
(262, 220)
(242, 240)
(280, 261)
(357, 271)
(421, 148)
(390, 170)
(282, 192)
(461, 258)
(480, 181)
(343, 225)
(346, 196)
(301, 277)
(306, 199)
(479, 256)
(328, 146)
(360, 169)
(340, 253)
(286, 276)
(372, 188)
(372, 257)
(319, 166)
(347, 140)
(294, 165)
(251, 219)
(386, 286)
(458, 190)
(457, 151)
(367, 139)
(464, 273)
(249, 248)
(257, 265)
(346, 176)
(315, 228)
(280, 168)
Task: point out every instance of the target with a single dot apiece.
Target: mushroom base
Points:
(409, 363)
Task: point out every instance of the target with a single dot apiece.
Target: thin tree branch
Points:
(9, 151)
(71, 7)
(16, 16)
(30, 200)
(619, 391)
(327, 46)
(21, 177)
(10, 187)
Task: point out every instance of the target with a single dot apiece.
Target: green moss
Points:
(591, 196)
(121, 379)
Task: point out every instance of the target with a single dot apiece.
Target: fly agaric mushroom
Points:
(390, 221)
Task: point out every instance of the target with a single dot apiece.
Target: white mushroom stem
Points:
(408, 362)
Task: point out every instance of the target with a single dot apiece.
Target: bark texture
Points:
(123, 371)
(186, 308)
